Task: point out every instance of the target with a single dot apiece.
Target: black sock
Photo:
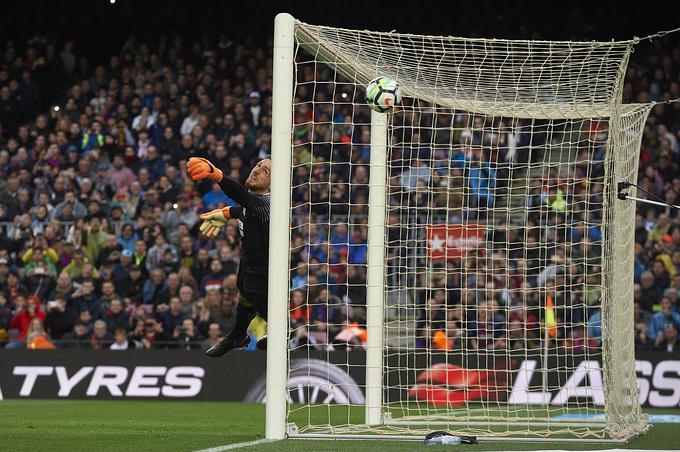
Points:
(244, 315)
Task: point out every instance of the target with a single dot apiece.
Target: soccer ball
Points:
(382, 93)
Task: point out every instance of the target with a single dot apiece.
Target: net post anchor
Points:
(292, 430)
(620, 187)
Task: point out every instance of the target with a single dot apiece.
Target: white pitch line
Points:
(609, 450)
(236, 445)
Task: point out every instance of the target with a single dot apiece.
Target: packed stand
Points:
(100, 247)
(497, 298)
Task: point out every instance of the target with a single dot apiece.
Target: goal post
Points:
(279, 233)
(449, 265)
(375, 268)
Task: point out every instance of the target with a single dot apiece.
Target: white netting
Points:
(498, 77)
(501, 202)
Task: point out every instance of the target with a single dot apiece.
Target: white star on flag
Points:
(436, 243)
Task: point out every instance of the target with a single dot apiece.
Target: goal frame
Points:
(279, 252)
(279, 243)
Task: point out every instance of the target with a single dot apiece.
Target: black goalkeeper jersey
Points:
(253, 222)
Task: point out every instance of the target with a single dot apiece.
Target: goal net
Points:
(462, 262)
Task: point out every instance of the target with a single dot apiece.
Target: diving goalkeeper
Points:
(253, 215)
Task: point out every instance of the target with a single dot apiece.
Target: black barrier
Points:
(335, 377)
(132, 374)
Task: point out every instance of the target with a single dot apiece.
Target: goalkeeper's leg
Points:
(261, 306)
(258, 328)
(245, 312)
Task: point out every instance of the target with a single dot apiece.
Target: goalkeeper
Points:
(252, 213)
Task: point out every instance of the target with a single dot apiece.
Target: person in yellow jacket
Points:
(556, 199)
(95, 238)
(666, 248)
(78, 262)
(39, 242)
(38, 256)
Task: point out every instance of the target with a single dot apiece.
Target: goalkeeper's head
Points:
(260, 177)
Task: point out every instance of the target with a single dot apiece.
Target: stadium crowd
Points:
(99, 245)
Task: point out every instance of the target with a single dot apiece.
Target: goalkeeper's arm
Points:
(200, 168)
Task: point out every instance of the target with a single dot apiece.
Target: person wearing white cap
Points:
(255, 107)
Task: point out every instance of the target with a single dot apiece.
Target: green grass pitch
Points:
(188, 426)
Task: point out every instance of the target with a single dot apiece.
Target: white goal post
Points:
(450, 264)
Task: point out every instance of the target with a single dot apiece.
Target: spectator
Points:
(69, 208)
(121, 341)
(190, 122)
(220, 311)
(670, 339)
(651, 293)
(155, 290)
(488, 331)
(140, 255)
(153, 332)
(216, 198)
(58, 322)
(174, 216)
(37, 338)
(213, 280)
(63, 288)
(121, 270)
(25, 311)
(100, 338)
(299, 311)
(302, 338)
(153, 164)
(110, 250)
(659, 230)
(595, 328)
(201, 266)
(133, 285)
(214, 336)
(127, 238)
(95, 238)
(187, 258)
(659, 323)
(39, 242)
(5, 319)
(172, 281)
(75, 268)
(78, 338)
(13, 288)
(155, 255)
(171, 318)
(121, 177)
(188, 337)
(201, 315)
(84, 298)
(115, 316)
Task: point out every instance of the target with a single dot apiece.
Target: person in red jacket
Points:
(25, 310)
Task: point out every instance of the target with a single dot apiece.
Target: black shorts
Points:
(253, 287)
